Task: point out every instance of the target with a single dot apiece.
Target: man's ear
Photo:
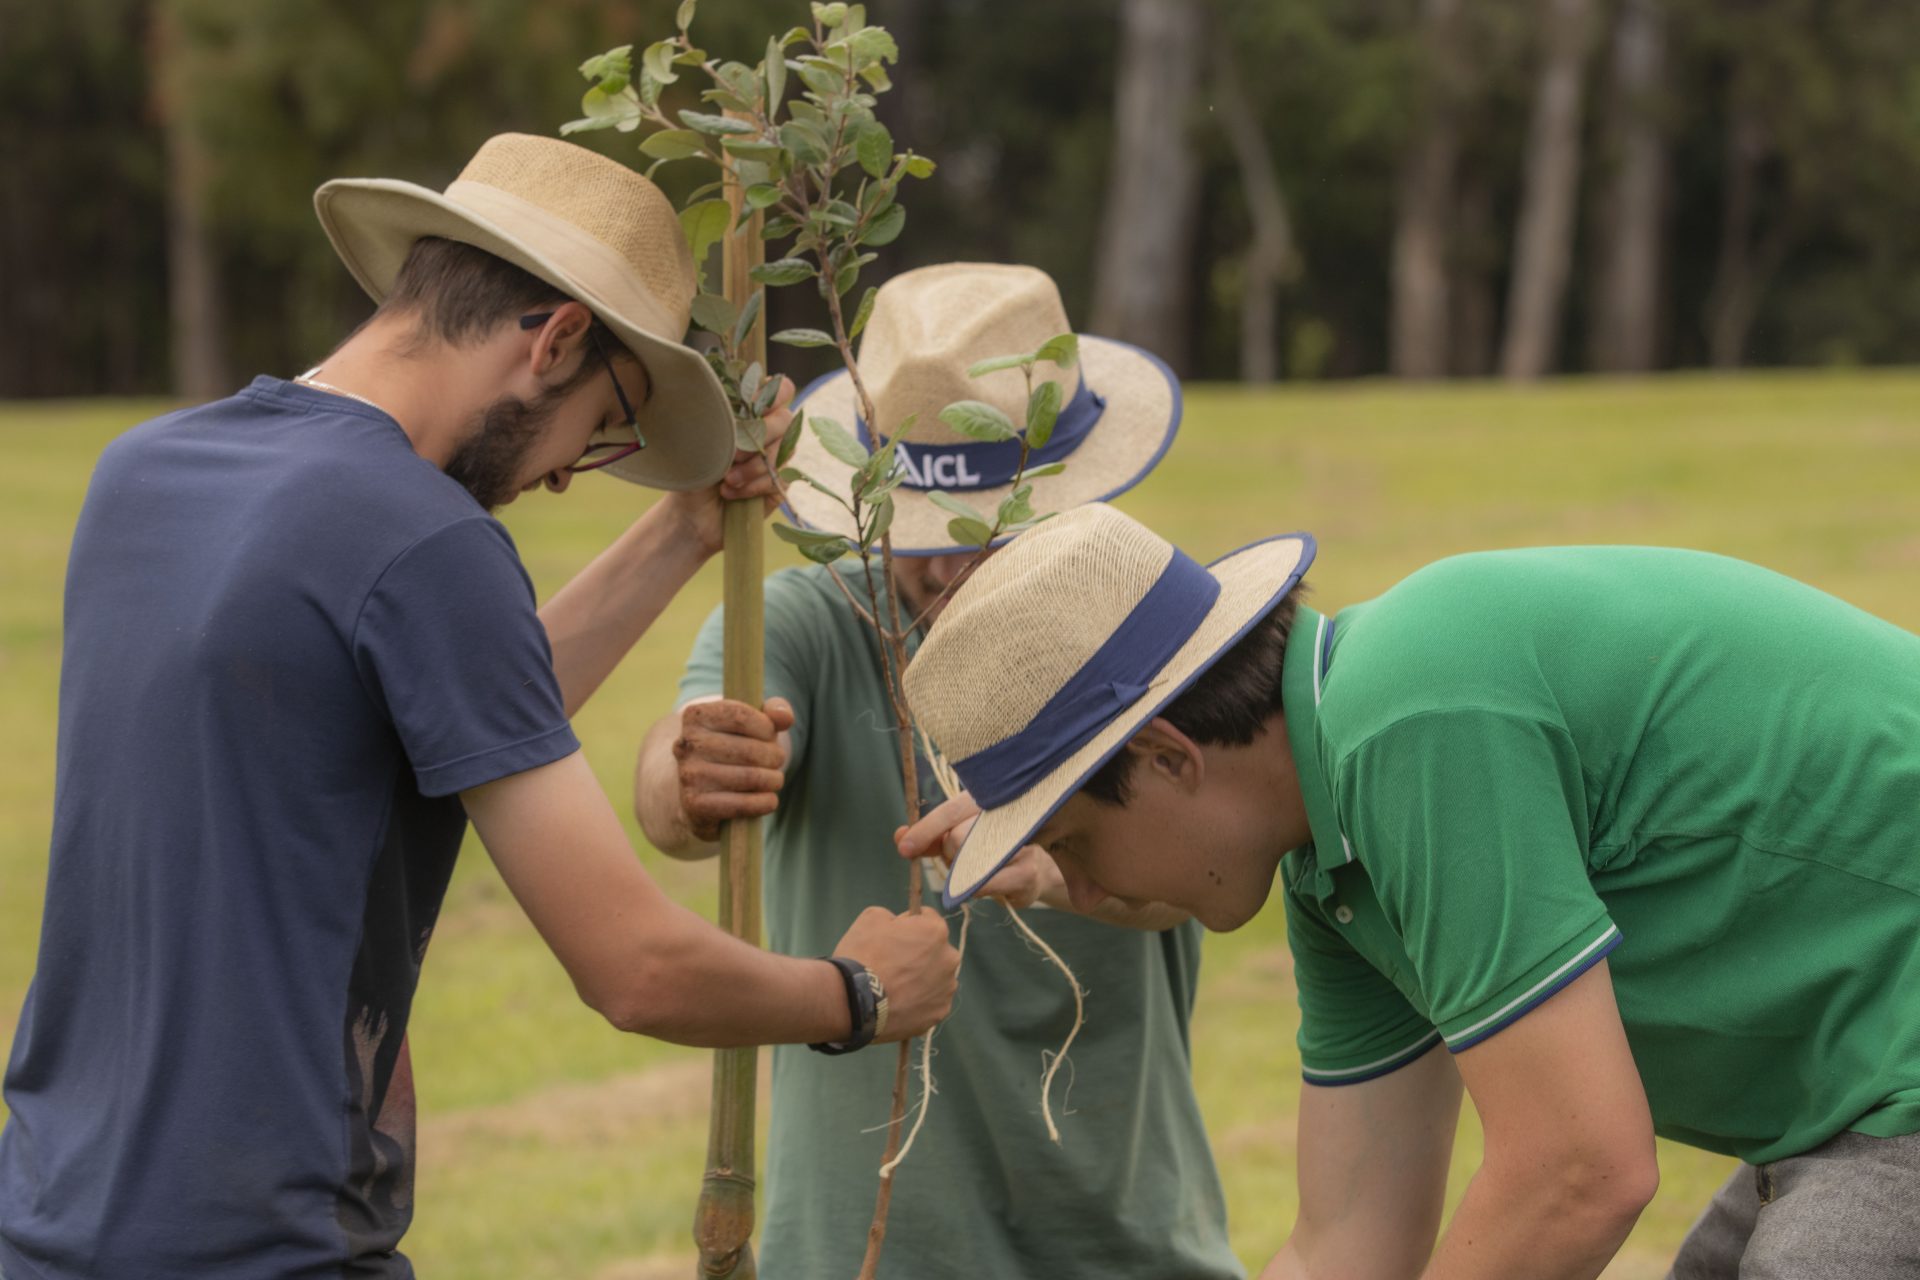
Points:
(557, 342)
(1169, 754)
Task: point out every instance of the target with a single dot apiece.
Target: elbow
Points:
(1607, 1195)
(639, 1000)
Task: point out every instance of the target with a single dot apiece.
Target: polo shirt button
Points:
(1343, 913)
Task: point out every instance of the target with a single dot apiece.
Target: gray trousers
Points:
(1848, 1209)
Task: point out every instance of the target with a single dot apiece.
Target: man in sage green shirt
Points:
(1625, 839)
(1130, 1190)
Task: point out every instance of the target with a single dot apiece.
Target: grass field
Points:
(1817, 476)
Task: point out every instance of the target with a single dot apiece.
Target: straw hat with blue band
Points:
(596, 231)
(1120, 405)
(1061, 648)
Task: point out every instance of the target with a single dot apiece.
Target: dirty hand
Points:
(1028, 877)
(731, 762)
(915, 962)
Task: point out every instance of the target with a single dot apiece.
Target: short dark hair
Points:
(1229, 704)
(460, 294)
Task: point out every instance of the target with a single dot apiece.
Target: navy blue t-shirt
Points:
(290, 640)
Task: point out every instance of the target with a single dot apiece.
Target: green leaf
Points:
(952, 505)
(977, 420)
(919, 167)
(803, 338)
(783, 271)
(779, 227)
(846, 277)
(1051, 469)
(829, 15)
(821, 78)
(874, 147)
(749, 434)
(860, 316)
(706, 224)
(776, 71)
(1014, 509)
(750, 381)
(742, 81)
(789, 442)
(969, 533)
(762, 195)
(748, 315)
(885, 229)
(998, 363)
(873, 45)
(714, 313)
(800, 140)
(882, 521)
(614, 64)
(838, 441)
(727, 101)
(875, 74)
(752, 149)
(684, 17)
(659, 61)
(605, 110)
(712, 124)
(1063, 350)
(1043, 410)
(673, 144)
(815, 544)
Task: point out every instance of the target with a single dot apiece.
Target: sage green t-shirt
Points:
(1518, 762)
(1131, 1189)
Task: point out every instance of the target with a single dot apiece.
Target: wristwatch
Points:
(866, 1006)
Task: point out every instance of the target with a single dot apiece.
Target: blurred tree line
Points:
(1254, 188)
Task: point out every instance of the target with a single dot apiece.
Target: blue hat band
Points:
(1116, 677)
(989, 464)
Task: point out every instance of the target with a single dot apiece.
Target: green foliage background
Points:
(1014, 100)
(552, 1146)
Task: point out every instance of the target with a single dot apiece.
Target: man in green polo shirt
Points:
(1625, 839)
(1130, 1190)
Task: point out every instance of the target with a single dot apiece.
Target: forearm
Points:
(595, 619)
(691, 984)
(656, 795)
(1546, 1224)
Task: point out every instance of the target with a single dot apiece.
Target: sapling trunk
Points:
(723, 1219)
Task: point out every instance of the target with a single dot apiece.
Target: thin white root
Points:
(1079, 1020)
(950, 784)
(926, 1067)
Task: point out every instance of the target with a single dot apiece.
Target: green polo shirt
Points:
(1131, 1188)
(1519, 762)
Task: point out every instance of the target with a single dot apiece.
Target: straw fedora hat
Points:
(597, 232)
(1121, 404)
(1115, 623)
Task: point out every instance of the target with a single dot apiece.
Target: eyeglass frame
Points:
(632, 421)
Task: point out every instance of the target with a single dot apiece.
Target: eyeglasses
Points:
(600, 455)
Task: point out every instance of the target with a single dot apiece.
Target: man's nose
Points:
(1082, 892)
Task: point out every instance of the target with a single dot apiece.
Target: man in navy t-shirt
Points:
(299, 655)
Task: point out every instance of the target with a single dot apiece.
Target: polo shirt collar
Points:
(1302, 674)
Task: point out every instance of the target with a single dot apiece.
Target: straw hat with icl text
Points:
(1120, 405)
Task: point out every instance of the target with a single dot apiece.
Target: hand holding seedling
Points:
(915, 962)
(751, 476)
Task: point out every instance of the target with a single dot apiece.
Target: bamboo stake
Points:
(723, 1222)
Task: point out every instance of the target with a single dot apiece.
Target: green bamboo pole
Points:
(723, 1222)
